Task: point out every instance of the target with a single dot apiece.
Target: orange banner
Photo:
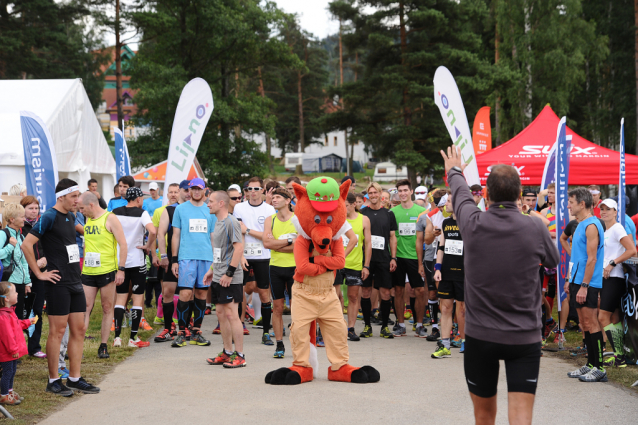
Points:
(482, 131)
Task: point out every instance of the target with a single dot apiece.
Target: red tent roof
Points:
(527, 151)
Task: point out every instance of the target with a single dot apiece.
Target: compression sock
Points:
(434, 312)
(280, 345)
(413, 306)
(396, 316)
(175, 301)
(266, 311)
(619, 339)
(183, 314)
(169, 309)
(256, 305)
(160, 307)
(366, 309)
(597, 349)
(136, 317)
(551, 305)
(200, 309)
(118, 315)
(384, 307)
(191, 307)
(239, 312)
(587, 344)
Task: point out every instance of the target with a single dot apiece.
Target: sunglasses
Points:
(235, 198)
(477, 193)
(420, 193)
(252, 188)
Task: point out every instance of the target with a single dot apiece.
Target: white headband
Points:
(66, 191)
(594, 191)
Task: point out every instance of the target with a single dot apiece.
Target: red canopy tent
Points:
(528, 150)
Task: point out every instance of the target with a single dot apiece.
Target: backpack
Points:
(7, 271)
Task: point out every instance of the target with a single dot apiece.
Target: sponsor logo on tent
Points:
(528, 151)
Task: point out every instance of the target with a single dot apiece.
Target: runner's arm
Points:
(440, 252)
(175, 241)
(429, 233)
(630, 249)
(161, 232)
(350, 234)
(592, 248)
(114, 226)
(393, 244)
(552, 257)
(419, 247)
(539, 216)
(150, 244)
(80, 229)
(269, 240)
(564, 242)
(367, 238)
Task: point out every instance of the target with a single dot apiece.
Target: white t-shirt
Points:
(134, 221)
(613, 247)
(253, 217)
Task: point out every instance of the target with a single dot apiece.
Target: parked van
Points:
(292, 160)
(387, 171)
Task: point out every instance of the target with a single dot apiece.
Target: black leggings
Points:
(481, 363)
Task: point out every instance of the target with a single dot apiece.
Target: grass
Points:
(32, 375)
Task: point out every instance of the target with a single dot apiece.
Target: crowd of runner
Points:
(232, 252)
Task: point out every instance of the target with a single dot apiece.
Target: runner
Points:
(226, 276)
(450, 277)
(596, 198)
(586, 282)
(619, 247)
(437, 204)
(252, 215)
(154, 202)
(279, 237)
(135, 222)
(550, 212)
(477, 193)
(382, 236)
(529, 198)
(193, 227)
(102, 235)
(123, 184)
(426, 250)
(66, 304)
(405, 257)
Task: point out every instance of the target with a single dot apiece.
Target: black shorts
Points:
(481, 364)
(411, 268)
(380, 275)
(134, 279)
(613, 290)
(234, 293)
(259, 270)
(592, 296)
(452, 290)
(281, 280)
(338, 277)
(98, 281)
(353, 277)
(64, 298)
(428, 265)
(166, 276)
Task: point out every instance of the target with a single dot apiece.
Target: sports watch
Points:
(455, 168)
(584, 285)
(612, 263)
(247, 231)
(289, 241)
(121, 268)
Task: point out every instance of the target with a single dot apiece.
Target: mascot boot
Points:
(320, 219)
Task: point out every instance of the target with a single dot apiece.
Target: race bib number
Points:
(378, 242)
(92, 259)
(73, 251)
(407, 229)
(198, 225)
(217, 255)
(253, 249)
(346, 241)
(287, 235)
(453, 247)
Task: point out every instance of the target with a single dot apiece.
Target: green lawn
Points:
(32, 375)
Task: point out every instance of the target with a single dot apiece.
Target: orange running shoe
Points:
(144, 325)
(164, 336)
(218, 331)
(138, 343)
(246, 331)
(220, 359)
(235, 361)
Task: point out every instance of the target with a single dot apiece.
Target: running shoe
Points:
(549, 327)
(208, 311)
(198, 339)
(158, 321)
(235, 361)
(615, 361)
(367, 332)
(117, 342)
(144, 325)
(220, 359)
(279, 352)
(399, 332)
(435, 335)
(413, 326)
(218, 331)
(421, 332)
(257, 324)
(82, 386)
(395, 327)
(462, 349)
(359, 315)
(180, 341)
(407, 314)
(385, 333)
(9, 400)
(352, 336)
(16, 395)
(58, 388)
(63, 372)
(579, 372)
(250, 313)
(102, 352)
(594, 375)
(164, 336)
(39, 355)
(441, 353)
(89, 337)
(456, 342)
(187, 334)
(320, 342)
(246, 331)
(265, 339)
(345, 310)
(138, 343)
(579, 351)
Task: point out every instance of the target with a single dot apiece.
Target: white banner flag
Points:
(448, 99)
(191, 116)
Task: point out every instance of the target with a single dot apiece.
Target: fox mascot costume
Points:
(320, 219)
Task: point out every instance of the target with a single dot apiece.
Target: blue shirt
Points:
(79, 219)
(196, 224)
(630, 227)
(579, 253)
(150, 205)
(116, 203)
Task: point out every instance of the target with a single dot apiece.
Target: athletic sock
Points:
(434, 314)
(413, 305)
(169, 309)
(280, 344)
(183, 314)
(208, 305)
(384, 307)
(266, 311)
(395, 310)
(256, 305)
(588, 345)
(160, 307)
(239, 312)
(597, 349)
(446, 342)
(118, 315)
(200, 309)
(619, 339)
(136, 317)
(191, 306)
(366, 309)
(402, 325)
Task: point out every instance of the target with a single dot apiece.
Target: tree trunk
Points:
(528, 86)
(302, 145)
(271, 168)
(636, 55)
(118, 68)
(497, 109)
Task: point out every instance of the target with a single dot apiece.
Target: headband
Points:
(66, 191)
(2, 296)
(594, 191)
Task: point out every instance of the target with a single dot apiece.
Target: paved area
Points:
(165, 385)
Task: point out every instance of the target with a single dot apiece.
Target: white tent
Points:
(81, 149)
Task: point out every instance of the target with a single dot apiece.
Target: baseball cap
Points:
(184, 184)
(610, 203)
(529, 192)
(197, 182)
(323, 193)
(420, 192)
(152, 186)
(234, 187)
(132, 193)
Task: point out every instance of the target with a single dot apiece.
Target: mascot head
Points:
(321, 211)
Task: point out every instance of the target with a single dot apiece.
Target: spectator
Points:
(154, 202)
(92, 184)
(477, 193)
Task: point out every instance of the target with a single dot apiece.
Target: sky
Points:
(313, 15)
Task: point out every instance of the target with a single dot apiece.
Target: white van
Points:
(292, 160)
(387, 171)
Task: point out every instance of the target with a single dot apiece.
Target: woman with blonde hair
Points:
(16, 269)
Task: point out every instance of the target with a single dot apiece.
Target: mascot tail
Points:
(314, 361)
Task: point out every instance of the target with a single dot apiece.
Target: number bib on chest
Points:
(252, 249)
(346, 241)
(453, 247)
(217, 255)
(378, 242)
(407, 229)
(92, 259)
(73, 251)
(198, 225)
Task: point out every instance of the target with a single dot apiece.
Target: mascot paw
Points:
(348, 373)
(277, 377)
(373, 374)
(289, 376)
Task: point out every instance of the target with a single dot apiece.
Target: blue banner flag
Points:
(621, 183)
(563, 148)
(122, 160)
(40, 163)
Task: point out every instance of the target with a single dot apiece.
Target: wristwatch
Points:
(393, 258)
(122, 269)
(247, 231)
(289, 241)
(584, 285)
(455, 168)
(230, 273)
(612, 263)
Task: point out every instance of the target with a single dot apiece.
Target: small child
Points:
(12, 345)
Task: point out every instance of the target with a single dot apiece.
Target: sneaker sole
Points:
(214, 364)
(84, 391)
(178, 345)
(59, 393)
(442, 357)
(201, 344)
(162, 340)
(605, 379)
(235, 367)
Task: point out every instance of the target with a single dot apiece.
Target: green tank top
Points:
(282, 230)
(354, 260)
(100, 247)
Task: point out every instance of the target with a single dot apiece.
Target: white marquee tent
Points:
(81, 149)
